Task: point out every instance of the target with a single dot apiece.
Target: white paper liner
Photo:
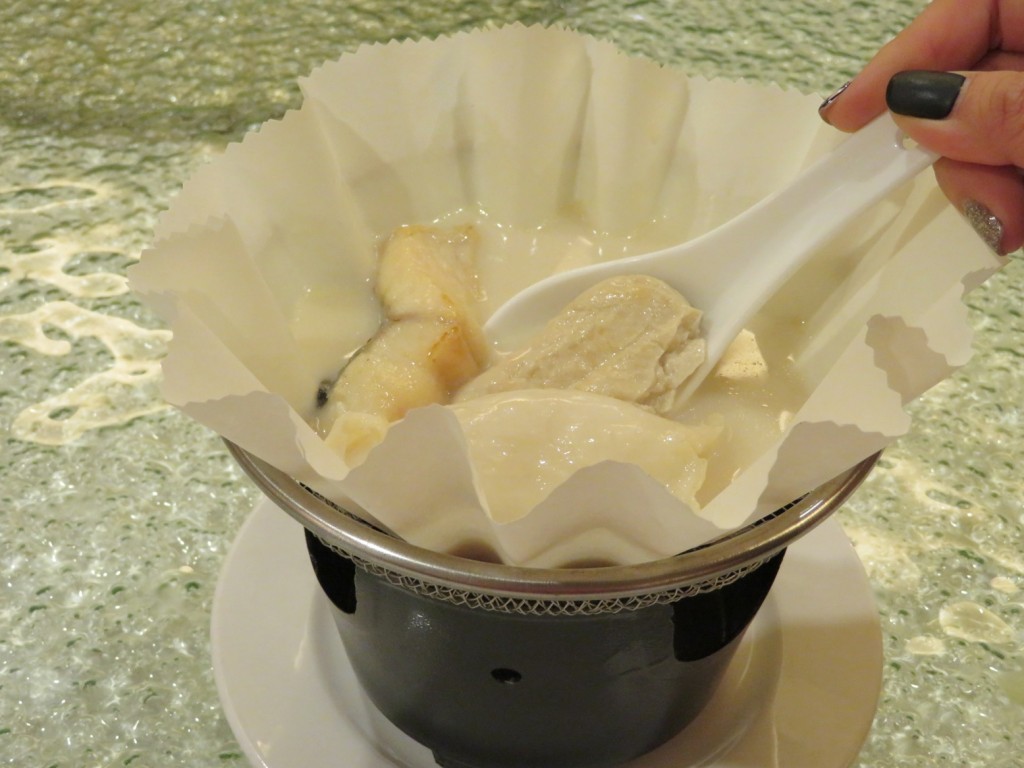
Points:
(526, 123)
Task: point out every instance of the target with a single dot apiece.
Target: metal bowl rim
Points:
(736, 550)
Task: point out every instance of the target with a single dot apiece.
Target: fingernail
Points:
(985, 223)
(920, 93)
(831, 99)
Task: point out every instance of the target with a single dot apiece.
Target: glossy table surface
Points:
(116, 511)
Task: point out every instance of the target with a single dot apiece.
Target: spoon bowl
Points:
(730, 272)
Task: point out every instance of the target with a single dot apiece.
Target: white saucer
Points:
(800, 693)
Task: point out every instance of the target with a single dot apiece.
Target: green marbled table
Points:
(116, 512)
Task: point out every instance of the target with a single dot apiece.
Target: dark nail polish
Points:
(920, 93)
(835, 95)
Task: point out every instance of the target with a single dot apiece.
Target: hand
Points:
(954, 81)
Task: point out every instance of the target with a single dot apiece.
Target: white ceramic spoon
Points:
(730, 272)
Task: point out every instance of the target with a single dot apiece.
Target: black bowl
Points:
(496, 666)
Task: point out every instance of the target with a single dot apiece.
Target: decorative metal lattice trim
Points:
(468, 598)
(526, 606)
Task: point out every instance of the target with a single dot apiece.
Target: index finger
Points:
(947, 35)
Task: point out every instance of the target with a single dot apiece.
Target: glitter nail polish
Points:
(985, 223)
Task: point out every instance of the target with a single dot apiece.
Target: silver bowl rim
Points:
(736, 550)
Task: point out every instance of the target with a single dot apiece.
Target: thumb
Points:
(974, 117)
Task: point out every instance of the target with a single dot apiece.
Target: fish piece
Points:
(632, 337)
(429, 344)
(524, 444)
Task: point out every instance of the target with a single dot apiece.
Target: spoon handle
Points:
(788, 226)
(742, 263)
